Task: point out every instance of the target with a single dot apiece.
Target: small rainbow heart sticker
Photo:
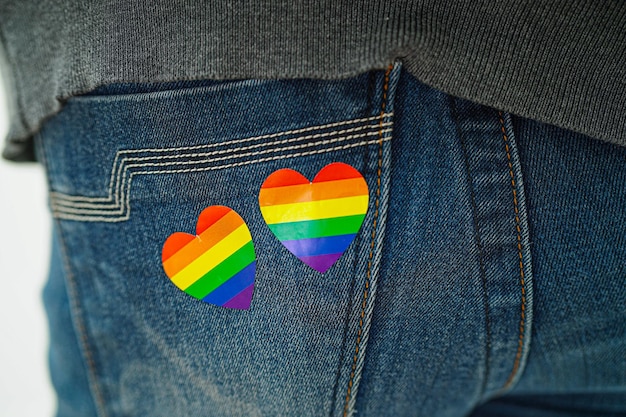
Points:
(316, 221)
(216, 266)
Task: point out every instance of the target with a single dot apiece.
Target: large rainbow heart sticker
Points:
(216, 266)
(315, 220)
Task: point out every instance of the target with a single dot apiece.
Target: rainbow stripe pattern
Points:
(315, 220)
(216, 266)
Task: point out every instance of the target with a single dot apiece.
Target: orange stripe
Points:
(312, 192)
(209, 238)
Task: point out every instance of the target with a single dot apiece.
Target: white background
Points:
(25, 388)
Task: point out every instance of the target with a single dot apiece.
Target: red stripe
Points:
(337, 171)
(209, 217)
(284, 177)
(174, 243)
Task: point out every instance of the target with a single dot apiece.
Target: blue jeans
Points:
(487, 279)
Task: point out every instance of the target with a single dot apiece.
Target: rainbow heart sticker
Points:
(316, 221)
(216, 266)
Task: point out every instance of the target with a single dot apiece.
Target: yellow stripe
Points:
(315, 210)
(213, 257)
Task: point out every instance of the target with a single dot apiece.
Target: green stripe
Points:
(317, 228)
(222, 272)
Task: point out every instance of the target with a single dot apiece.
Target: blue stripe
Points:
(319, 245)
(240, 281)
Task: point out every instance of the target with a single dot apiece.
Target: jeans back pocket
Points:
(129, 169)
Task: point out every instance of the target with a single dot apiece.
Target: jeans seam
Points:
(76, 310)
(81, 330)
(350, 392)
(479, 245)
(522, 262)
(352, 289)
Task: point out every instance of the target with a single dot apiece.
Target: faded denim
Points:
(488, 277)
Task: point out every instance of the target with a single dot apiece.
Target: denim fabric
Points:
(487, 278)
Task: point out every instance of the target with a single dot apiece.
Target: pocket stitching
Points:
(117, 203)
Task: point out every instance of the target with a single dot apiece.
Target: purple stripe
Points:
(321, 263)
(242, 300)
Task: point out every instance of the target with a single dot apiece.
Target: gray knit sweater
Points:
(560, 62)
